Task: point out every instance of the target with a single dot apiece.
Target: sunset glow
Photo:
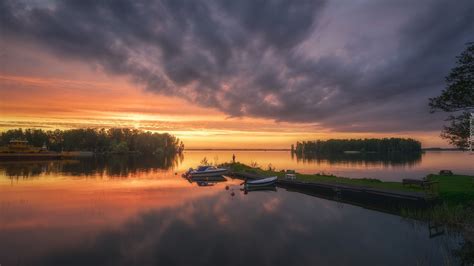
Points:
(51, 103)
(236, 132)
(51, 83)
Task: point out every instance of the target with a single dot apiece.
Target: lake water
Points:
(393, 168)
(132, 211)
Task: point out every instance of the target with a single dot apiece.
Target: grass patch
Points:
(455, 189)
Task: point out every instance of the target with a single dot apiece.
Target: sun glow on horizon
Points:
(35, 102)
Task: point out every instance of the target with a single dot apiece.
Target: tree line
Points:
(113, 140)
(385, 145)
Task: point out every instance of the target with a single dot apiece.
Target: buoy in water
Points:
(232, 194)
(226, 187)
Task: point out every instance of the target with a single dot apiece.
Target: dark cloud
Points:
(356, 66)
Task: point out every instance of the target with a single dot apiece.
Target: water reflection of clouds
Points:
(156, 217)
(296, 234)
(271, 205)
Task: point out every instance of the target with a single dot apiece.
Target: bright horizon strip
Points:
(35, 102)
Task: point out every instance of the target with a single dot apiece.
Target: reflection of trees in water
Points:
(29, 169)
(371, 159)
(122, 166)
(113, 166)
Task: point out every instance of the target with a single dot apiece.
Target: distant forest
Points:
(114, 140)
(385, 145)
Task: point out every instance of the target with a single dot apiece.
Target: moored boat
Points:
(268, 181)
(206, 171)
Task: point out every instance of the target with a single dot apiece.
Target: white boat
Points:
(206, 171)
(268, 181)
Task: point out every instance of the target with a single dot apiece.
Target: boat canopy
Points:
(202, 168)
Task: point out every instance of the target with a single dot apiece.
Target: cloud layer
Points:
(351, 66)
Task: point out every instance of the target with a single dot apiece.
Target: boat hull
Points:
(208, 174)
(261, 182)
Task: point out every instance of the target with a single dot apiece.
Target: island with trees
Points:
(382, 146)
(98, 141)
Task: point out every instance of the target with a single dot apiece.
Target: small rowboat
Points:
(261, 182)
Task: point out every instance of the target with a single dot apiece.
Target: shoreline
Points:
(452, 203)
(45, 155)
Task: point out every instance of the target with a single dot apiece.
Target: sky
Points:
(231, 74)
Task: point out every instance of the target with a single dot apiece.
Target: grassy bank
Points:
(326, 178)
(455, 189)
(456, 209)
(452, 189)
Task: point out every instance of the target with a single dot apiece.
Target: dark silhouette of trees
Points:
(386, 145)
(114, 140)
(458, 98)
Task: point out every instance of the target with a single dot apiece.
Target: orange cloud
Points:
(50, 103)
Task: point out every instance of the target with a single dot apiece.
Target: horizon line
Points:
(235, 149)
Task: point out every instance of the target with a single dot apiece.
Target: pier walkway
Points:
(349, 192)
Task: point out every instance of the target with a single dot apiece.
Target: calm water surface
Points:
(129, 211)
(392, 168)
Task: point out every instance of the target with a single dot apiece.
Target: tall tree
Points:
(458, 98)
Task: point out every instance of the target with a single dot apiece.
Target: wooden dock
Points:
(374, 197)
